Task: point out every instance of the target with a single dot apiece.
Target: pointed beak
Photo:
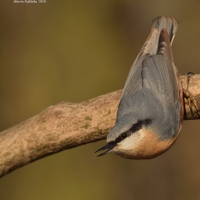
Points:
(108, 147)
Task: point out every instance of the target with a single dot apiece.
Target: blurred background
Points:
(74, 51)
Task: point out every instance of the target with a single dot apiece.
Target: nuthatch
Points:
(150, 113)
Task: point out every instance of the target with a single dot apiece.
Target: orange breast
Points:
(144, 145)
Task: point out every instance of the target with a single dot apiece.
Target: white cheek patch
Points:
(132, 141)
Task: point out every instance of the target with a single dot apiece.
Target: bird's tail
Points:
(168, 23)
(150, 46)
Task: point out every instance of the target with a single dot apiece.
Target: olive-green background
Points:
(77, 50)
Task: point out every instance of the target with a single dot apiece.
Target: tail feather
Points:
(168, 23)
(150, 47)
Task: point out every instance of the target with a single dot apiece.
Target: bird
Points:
(151, 109)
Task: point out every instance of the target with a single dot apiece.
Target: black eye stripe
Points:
(137, 126)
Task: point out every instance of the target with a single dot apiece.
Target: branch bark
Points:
(67, 125)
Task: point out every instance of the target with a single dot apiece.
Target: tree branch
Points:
(67, 125)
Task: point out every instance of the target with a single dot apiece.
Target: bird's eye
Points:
(123, 135)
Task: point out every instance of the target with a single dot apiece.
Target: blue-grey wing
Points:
(152, 47)
(159, 74)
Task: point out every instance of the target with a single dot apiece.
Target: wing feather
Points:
(154, 66)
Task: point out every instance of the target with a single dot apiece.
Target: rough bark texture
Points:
(67, 125)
